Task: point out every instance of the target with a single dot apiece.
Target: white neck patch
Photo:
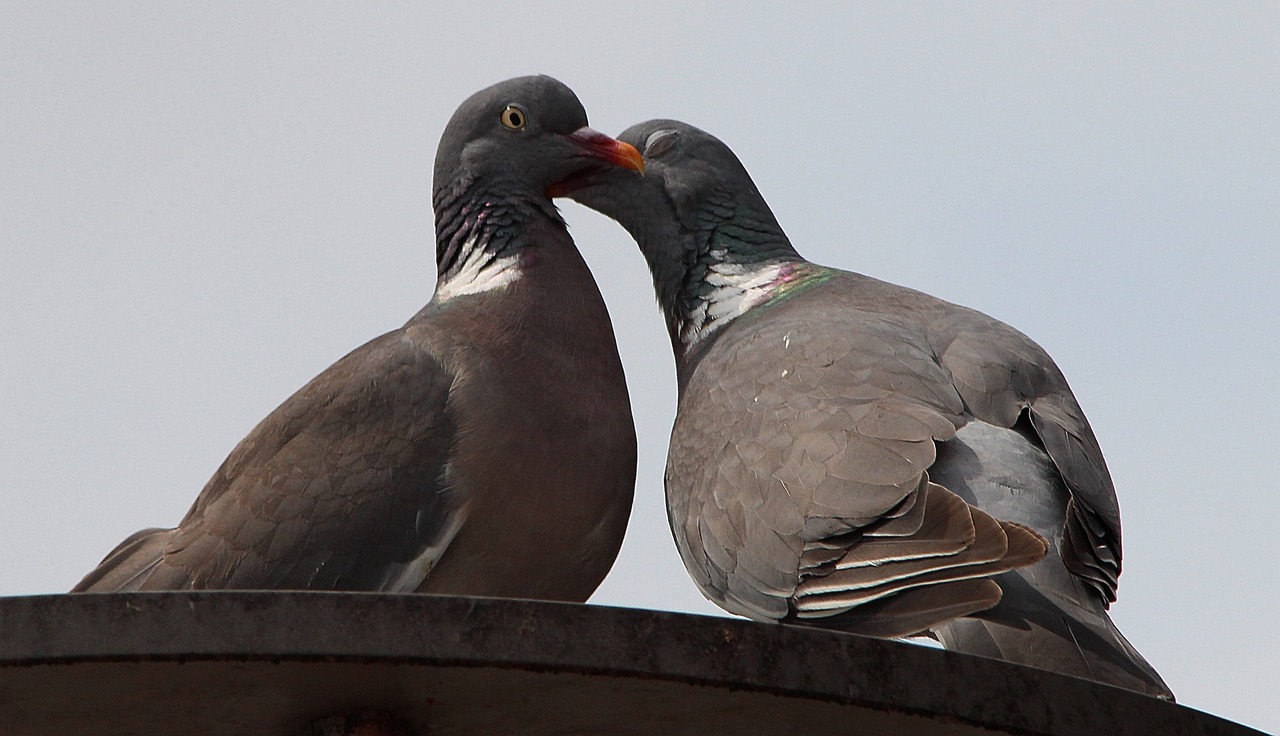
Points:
(735, 288)
(480, 272)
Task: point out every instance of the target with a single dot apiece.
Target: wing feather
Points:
(341, 487)
(797, 475)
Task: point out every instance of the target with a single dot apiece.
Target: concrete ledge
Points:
(251, 663)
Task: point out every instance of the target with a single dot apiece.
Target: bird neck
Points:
(479, 230)
(728, 271)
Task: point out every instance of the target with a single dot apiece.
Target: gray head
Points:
(507, 150)
(695, 211)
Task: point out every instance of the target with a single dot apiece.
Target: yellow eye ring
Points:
(513, 117)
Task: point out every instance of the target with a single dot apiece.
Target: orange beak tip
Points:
(595, 144)
(630, 157)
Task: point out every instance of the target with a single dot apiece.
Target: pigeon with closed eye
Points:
(861, 456)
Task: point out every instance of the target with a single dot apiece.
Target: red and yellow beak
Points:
(596, 149)
(595, 144)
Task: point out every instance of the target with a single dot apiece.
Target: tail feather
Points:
(1028, 628)
(1053, 614)
(127, 567)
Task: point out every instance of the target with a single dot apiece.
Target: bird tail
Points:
(126, 567)
(1028, 628)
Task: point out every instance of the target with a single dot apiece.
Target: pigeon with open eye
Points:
(484, 448)
(860, 456)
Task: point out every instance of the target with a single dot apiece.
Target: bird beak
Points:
(595, 144)
(599, 149)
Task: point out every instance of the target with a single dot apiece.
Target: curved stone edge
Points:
(544, 636)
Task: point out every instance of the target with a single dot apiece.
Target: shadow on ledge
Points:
(259, 663)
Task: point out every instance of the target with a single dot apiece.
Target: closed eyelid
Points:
(660, 142)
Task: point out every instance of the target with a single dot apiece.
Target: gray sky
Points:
(204, 205)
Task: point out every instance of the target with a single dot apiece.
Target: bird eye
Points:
(660, 142)
(513, 117)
